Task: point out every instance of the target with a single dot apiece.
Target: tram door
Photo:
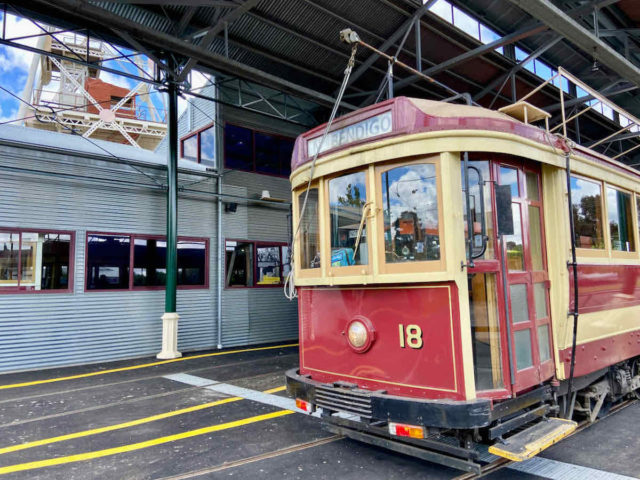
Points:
(527, 279)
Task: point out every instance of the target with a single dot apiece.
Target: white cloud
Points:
(13, 57)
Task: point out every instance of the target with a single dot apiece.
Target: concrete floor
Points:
(126, 420)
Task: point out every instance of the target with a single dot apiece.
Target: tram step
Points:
(534, 439)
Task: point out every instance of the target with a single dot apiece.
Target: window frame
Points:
(253, 150)
(297, 199)
(132, 238)
(595, 252)
(196, 133)
(12, 290)
(416, 266)
(634, 227)
(254, 267)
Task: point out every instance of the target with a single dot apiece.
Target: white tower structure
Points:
(68, 96)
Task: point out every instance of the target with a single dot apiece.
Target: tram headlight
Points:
(360, 334)
(357, 334)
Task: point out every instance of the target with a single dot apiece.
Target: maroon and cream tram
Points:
(433, 300)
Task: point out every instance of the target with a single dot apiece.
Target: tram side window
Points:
(309, 230)
(620, 220)
(34, 260)
(476, 209)
(410, 207)
(347, 199)
(586, 207)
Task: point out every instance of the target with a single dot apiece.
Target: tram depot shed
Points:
(220, 219)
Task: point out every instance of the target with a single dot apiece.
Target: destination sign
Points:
(371, 127)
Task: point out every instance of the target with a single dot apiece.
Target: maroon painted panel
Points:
(604, 287)
(432, 371)
(601, 353)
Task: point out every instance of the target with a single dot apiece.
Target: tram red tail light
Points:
(402, 430)
(304, 405)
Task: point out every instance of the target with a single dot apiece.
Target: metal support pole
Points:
(418, 45)
(170, 317)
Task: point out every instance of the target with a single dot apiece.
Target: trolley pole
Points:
(170, 317)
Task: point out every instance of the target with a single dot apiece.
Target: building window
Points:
(255, 264)
(35, 260)
(200, 146)
(260, 152)
(125, 262)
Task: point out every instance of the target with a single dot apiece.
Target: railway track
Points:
(501, 463)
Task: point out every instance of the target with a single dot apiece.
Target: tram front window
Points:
(410, 206)
(347, 216)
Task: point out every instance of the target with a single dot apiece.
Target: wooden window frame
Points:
(595, 252)
(297, 194)
(132, 238)
(18, 289)
(254, 263)
(634, 227)
(422, 266)
(196, 134)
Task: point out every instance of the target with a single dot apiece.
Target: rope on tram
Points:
(289, 284)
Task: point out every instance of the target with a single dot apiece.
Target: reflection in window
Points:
(208, 147)
(41, 263)
(268, 265)
(309, 233)
(513, 243)
(620, 220)
(347, 198)
(410, 208)
(192, 262)
(586, 207)
(476, 209)
(239, 261)
(509, 176)
(149, 262)
(108, 262)
(190, 148)
(485, 327)
(238, 147)
(535, 238)
(267, 159)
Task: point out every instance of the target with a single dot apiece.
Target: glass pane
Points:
(543, 343)
(208, 147)
(108, 262)
(192, 262)
(532, 186)
(268, 271)
(149, 262)
(56, 250)
(239, 262)
(620, 223)
(410, 208)
(238, 147)
(309, 233)
(347, 196)
(286, 262)
(267, 153)
(9, 244)
(522, 340)
(285, 152)
(513, 243)
(190, 148)
(540, 298)
(466, 23)
(28, 257)
(509, 176)
(519, 303)
(586, 204)
(485, 329)
(535, 238)
(476, 209)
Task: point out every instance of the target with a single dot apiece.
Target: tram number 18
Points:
(410, 336)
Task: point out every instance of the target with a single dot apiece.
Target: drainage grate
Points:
(348, 400)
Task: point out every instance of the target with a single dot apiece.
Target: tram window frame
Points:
(255, 245)
(298, 199)
(25, 287)
(421, 266)
(632, 228)
(131, 286)
(351, 270)
(596, 252)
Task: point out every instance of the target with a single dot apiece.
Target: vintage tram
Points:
(434, 271)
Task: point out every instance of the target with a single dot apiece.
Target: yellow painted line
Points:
(136, 367)
(20, 467)
(133, 423)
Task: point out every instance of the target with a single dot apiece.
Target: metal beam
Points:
(580, 36)
(216, 29)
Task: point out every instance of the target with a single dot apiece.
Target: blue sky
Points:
(15, 64)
